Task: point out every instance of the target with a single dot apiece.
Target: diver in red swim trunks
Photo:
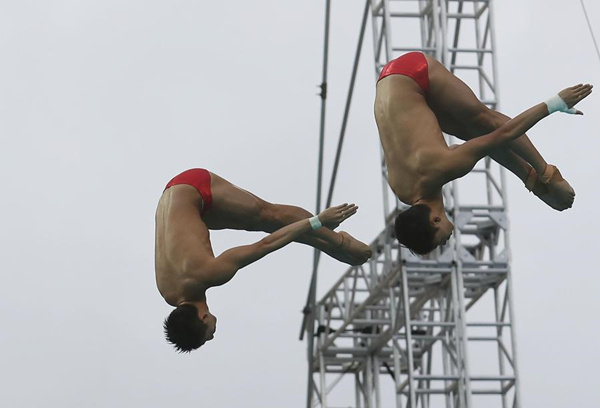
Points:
(197, 201)
(418, 99)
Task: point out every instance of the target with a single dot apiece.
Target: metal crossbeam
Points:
(403, 328)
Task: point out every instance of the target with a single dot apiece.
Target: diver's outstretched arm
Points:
(463, 158)
(224, 267)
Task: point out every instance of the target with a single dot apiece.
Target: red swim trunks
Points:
(413, 65)
(200, 180)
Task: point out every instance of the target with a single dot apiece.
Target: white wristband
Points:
(556, 103)
(315, 223)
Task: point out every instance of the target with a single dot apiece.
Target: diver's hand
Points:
(334, 216)
(575, 94)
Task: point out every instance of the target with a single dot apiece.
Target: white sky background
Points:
(102, 102)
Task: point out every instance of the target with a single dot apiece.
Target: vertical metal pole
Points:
(457, 281)
(495, 64)
(513, 331)
(394, 309)
(376, 381)
(444, 317)
(479, 45)
(348, 103)
(407, 317)
(513, 337)
(435, 12)
(357, 390)
(309, 316)
(323, 380)
(323, 95)
(465, 372)
(499, 319)
(423, 25)
(309, 324)
(462, 403)
(458, 295)
(456, 34)
(444, 30)
(369, 382)
(430, 330)
(387, 26)
(387, 32)
(375, 37)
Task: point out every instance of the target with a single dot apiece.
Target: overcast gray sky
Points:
(102, 102)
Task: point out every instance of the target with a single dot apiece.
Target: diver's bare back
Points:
(411, 137)
(182, 242)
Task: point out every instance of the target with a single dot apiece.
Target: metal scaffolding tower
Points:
(403, 330)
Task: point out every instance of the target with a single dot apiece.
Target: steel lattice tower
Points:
(407, 331)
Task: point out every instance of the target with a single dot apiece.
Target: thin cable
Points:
(590, 27)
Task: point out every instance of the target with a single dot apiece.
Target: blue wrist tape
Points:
(556, 103)
(315, 223)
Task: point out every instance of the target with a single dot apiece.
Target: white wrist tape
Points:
(556, 103)
(315, 223)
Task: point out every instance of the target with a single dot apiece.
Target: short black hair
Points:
(414, 231)
(184, 329)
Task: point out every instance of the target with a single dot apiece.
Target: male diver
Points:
(417, 99)
(197, 201)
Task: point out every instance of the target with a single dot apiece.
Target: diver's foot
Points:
(357, 252)
(551, 188)
(350, 250)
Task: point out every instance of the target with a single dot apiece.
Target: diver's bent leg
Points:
(510, 161)
(341, 246)
(503, 156)
(558, 193)
(490, 120)
(236, 208)
(449, 96)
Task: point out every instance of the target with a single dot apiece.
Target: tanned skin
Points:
(418, 160)
(186, 266)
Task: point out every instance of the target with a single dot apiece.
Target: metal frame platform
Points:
(434, 331)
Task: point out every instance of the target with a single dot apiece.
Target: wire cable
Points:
(590, 27)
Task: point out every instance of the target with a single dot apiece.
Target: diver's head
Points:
(421, 230)
(187, 328)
